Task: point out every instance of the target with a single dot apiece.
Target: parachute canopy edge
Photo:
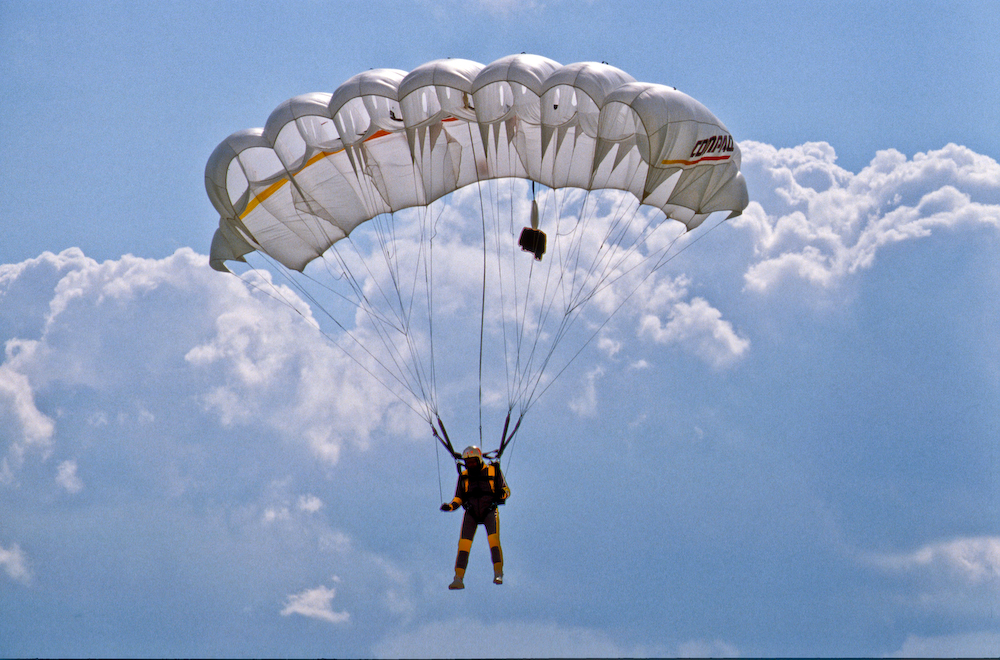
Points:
(227, 245)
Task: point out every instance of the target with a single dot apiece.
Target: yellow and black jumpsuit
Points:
(481, 487)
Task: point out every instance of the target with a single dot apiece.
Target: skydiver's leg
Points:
(465, 544)
(492, 524)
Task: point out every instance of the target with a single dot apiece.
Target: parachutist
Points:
(356, 181)
(480, 489)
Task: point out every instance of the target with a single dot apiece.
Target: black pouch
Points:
(532, 240)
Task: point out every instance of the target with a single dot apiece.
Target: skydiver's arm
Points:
(504, 489)
(457, 500)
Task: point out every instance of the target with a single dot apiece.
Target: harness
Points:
(493, 486)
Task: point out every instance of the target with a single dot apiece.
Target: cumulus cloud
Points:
(15, 564)
(30, 430)
(315, 604)
(812, 220)
(961, 574)
(700, 326)
(692, 324)
(136, 341)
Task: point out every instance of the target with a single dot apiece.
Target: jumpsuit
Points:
(479, 491)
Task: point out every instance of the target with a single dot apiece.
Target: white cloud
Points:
(815, 221)
(67, 477)
(958, 575)
(310, 503)
(284, 507)
(469, 638)
(29, 431)
(608, 346)
(965, 645)
(497, 8)
(275, 366)
(15, 564)
(315, 604)
(272, 514)
(585, 403)
(700, 327)
(141, 337)
(971, 560)
(398, 593)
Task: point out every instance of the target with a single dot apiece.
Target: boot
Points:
(457, 583)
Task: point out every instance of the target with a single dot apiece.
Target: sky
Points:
(788, 449)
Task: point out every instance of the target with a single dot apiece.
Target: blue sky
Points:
(791, 450)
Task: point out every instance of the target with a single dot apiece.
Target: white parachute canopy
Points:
(325, 165)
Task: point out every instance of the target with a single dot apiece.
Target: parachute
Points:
(526, 197)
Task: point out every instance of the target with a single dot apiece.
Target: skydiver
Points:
(481, 487)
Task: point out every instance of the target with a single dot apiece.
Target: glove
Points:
(447, 506)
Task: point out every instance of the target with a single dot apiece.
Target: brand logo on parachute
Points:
(715, 148)
(714, 144)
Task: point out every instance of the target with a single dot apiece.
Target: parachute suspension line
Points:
(524, 362)
(571, 313)
(279, 269)
(275, 294)
(437, 461)
(507, 252)
(499, 235)
(498, 199)
(482, 307)
(524, 357)
(531, 375)
(604, 266)
(407, 372)
(597, 331)
(588, 210)
(482, 322)
(428, 231)
(513, 312)
(482, 299)
(403, 369)
(618, 231)
(603, 260)
(665, 257)
(503, 195)
(572, 295)
(501, 284)
(421, 377)
(521, 301)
